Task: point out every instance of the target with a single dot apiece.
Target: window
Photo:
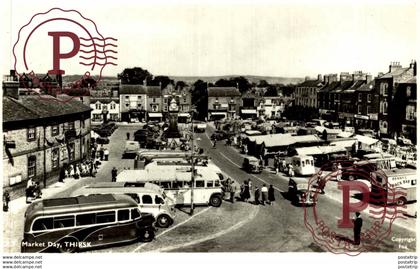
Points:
(209, 184)
(31, 134)
(31, 166)
(385, 108)
(359, 109)
(217, 183)
(410, 112)
(63, 222)
(98, 106)
(147, 199)
(135, 197)
(159, 200)
(105, 217)
(42, 224)
(70, 125)
(123, 214)
(138, 97)
(55, 130)
(154, 100)
(85, 219)
(127, 97)
(126, 105)
(199, 183)
(112, 105)
(55, 157)
(384, 88)
(82, 123)
(408, 91)
(360, 97)
(71, 151)
(369, 109)
(135, 213)
(369, 98)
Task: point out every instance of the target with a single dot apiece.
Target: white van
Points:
(149, 197)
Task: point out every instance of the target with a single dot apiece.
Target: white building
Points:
(105, 105)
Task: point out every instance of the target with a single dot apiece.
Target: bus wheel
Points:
(163, 221)
(147, 235)
(216, 200)
(68, 245)
(401, 201)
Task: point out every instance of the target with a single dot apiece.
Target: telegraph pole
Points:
(192, 164)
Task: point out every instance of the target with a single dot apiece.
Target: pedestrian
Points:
(242, 191)
(357, 228)
(264, 194)
(114, 173)
(93, 153)
(76, 172)
(321, 184)
(101, 153)
(257, 195)
(290, 171)
(37, 193)
(232, 191)
(106, 154)
(6, 200)
(29, 191)
(271, 196)
(70, 170)
(339, 172)
(247, 193)
(92, 169)
(128, 136)
(62, 174)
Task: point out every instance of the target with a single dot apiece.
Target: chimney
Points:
(380, 74)
(413, 66)
(330, 78)
(307, 78)
(358, 75)
(345, 76)
(319, 77)
(11, 85)
(394, 66)
(368, 78)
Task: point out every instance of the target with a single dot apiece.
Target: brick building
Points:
(223, 102)
(41, 134)
(306, 93)
(133, 102)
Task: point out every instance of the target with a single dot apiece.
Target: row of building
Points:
(386, 103)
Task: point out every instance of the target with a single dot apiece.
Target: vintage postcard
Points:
(287, 128)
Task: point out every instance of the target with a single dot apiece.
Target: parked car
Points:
(105, 130)
(102, 140)
(199, 126)
(131, 147)
(252, 165)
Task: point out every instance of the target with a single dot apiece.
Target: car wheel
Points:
(68, 245)
(164, 221)
(216, 200)
(401, 201)
(147, 235)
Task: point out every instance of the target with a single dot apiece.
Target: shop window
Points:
(31, 134)
(31, 166)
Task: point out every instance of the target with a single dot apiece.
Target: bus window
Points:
(135, 213)
(217, 183)
(165, 184)
(105, 217)
(159, 200)
(85, 219)
(312, 162)
(63, 222)
(307, 162)
(303, 163)
(177, 184)
(147, 199)
(199, 183)
(209, 184)
(42, 224)
(123, 214)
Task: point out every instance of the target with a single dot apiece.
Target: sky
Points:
(266, 38)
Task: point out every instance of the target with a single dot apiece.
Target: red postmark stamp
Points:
(62, 42)
(367, 205)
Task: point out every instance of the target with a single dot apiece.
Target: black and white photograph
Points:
(236, 127)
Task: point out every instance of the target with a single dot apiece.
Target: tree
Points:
(199, 98)
(136, 75)
(163, 81)
(180, 84)
(271, 91)
(263, 83)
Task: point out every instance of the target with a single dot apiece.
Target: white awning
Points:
(249, 111)
(155, 115)
(183, 114)
(218, 113)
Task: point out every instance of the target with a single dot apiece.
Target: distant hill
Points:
(211, 79)
(254, 79)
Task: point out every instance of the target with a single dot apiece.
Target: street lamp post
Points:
(192, 164)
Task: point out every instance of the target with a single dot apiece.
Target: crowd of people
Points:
(262, 196)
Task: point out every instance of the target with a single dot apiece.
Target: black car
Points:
(219, 135)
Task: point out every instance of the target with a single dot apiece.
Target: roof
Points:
(367, 87)
(366, 139)
(279, 140)
(223, 92)
(331, 86)
(311, 83)
(319, 150)
(412, 80)
(133, 89)
(395, 73)
(154, 91)
(29, 107)
(344, 85)
(104, 100)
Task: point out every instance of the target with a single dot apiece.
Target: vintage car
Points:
(299, 193)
